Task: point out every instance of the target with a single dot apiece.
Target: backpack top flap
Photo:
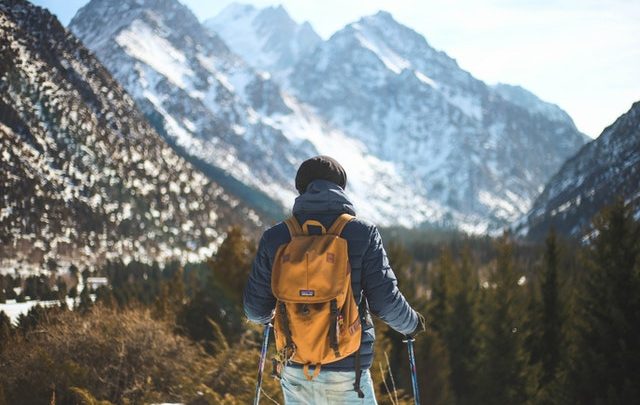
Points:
(312, 268)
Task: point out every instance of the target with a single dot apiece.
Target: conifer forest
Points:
(508, 322)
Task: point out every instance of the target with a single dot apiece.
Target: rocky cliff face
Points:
(602, 171)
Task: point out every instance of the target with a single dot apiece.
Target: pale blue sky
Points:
(583, 55)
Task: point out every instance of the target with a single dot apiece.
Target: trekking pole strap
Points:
(356, 384)
(333, 327)
(284, 319)
(362, 314)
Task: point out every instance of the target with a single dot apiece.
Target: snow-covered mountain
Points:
(83, 177)
(530, 102)
(603, 170)
(268, 39)
(220, 111)
(481, 151)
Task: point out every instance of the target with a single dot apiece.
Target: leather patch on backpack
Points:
(331, 258)
(307, 293)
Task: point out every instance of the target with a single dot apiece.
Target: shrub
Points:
(121, 357)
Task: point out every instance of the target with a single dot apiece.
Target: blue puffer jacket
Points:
(324, 201)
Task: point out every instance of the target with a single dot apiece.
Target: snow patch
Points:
(141, 42)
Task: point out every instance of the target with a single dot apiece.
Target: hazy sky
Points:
(583, 55)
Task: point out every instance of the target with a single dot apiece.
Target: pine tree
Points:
(86, 303)
(231, 264)
(439, 308)
(5, 330)
(605, 367)
(161, 307)
(434, 374)
(177, 290)
(73, 292)
(506, 377)
(462, 332)
(104, 296)
(402, 264)
(552, 313)
(62, 291)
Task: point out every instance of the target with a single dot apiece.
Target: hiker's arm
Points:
(258, 300)
(380, 286)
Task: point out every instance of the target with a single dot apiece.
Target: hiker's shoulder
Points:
(359, 227)
(276, 235)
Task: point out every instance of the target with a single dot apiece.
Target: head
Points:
(320, 168)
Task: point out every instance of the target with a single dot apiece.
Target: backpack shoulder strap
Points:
(293, 226)
(339, 224)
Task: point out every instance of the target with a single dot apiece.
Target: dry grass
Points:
(121, 357)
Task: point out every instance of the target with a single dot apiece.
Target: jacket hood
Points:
(323, 196)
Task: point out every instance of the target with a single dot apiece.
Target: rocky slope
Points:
(84, 177)
(603, 170)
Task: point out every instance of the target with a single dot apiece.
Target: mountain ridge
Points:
(474, 150)
(441, 144)
(239, 121)
(601, 171)
(87, 178)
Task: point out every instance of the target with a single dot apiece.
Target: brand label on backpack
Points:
(307, 293)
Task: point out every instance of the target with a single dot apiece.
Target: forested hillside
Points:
(85, 178)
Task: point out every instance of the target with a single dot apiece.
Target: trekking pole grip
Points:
(412, 365)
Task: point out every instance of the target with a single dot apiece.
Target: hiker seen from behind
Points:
(318, 276)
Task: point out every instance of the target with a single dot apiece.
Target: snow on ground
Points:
(391, 60)
(14, 309)
(140, 42)
(241, 35)
(425, 79)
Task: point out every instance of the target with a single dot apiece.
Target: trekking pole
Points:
(412, 364)
(263, 356)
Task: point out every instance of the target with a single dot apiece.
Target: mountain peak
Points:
(381, 19)
(160, 21)
(276, 15)
(383, 15)
(236, 10)
(268, 38)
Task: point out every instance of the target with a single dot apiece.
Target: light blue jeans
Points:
(328, 388)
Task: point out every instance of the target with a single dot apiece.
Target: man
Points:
(321, 182)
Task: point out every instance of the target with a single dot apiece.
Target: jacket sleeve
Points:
(380, 287)
(258, 300)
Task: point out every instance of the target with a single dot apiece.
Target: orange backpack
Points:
(317, 319)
